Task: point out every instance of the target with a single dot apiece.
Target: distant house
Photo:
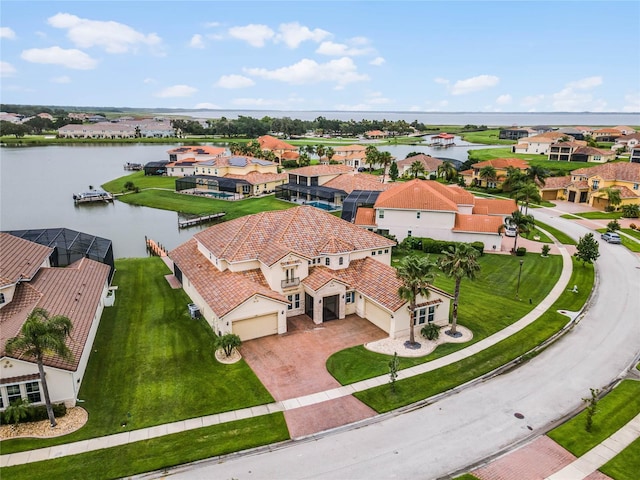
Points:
(572, 132)
(539, 144)
(500, 165)
(373, 134)
(426, 208)
(591, 154)
(606, 134)
(513, 133)
(442, 140)
(634, 156)
(248, 275)
(79, 292)
(281, 149)
(156, 168)
(626, 142)
(351, 155)
(429, 163)
(625, 129)
(562, 151)
(119, 129)
(183, 160)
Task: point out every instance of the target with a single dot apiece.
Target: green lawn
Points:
(141, 181)
(486, 137)
(625, 465)
(537, 236)
(157, 453)
(631, 244)
(614, 411)
(556, 168)
(593, 215)
(153, 364)
(631, 232)
(487, 305)
(419, 387)
(560, 235)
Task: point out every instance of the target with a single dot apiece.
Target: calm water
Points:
(37, 184)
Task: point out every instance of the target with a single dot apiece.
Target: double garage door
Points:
(256, 327)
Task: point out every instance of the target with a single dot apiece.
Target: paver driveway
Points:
(294, 365)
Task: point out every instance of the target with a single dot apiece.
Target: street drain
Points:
(518, 415)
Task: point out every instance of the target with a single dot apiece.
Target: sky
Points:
(422, 56)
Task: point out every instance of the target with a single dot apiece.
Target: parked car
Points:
(510, 231)
(611, 237)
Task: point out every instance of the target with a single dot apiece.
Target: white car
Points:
(611, 237)
(510, 231)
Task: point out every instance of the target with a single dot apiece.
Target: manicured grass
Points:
(151, 363)
(157, 453)
(487, 305)
(614, 411)
(632, 245)
(631, 232)
(593, 215)
(556, 168)
(486, 137)
(541, 237)
(419, 387)
(191, 204)
(141, 181)
(625, 465)
(560, 235)
(466, 476)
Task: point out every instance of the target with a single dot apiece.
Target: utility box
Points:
(194, 310)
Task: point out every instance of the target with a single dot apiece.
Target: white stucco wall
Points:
(256, 306)
(400, 222)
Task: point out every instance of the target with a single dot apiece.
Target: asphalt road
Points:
(478, 422)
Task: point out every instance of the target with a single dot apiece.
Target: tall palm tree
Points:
(613, 195)
(42, 335)
(459, 262)
(416, 168)
(330, 153)
(371, 156)
(385, 159)
(538, 174)
(416, 274)
(487, 173)
(522, 223)
(447, 170)
(311, 149)
(320, 150)
(527, 192)
(513, 180)
(235, 148)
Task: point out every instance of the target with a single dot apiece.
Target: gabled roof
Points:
(503, 163)
(494, 206)
(430, 163)
(268, 236)
(548, 137)
(256, 178)
(624, 192)
(319, 170)
(350, 148)
(267, 142)
(555, 183)
(625, 171)
(348, 182)
(424, 195)
(198, 150)
(365, 217)
(477, 223)
(19, 258)
(236, 161)
(593, 151)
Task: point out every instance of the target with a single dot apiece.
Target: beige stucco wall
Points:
(256, 306)
(8, 292)
(489, 239)
(380, 317)
(400, 222)
(402, 316)
(332, 288)
(274, 274)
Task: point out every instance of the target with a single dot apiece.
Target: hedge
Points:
(36, 413)
(429, 245)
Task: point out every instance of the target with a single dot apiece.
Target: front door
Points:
(330, 308)
(572, 196)
(583, 197)
(308, 305)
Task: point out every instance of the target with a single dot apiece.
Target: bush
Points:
(430, 331)
(521, 251)
(545, 250)
(613, 225)
(609, 208)
(429, 245)
(633, 226)
(290, 164)
(631, 211)
(35, 413)
(228, 342)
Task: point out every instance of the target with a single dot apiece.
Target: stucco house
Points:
(426, 208)
(626, 142)
(79, 292)
(249, 274)
(501, 166)
(429, 163)
(183, 160)
(634, 156)
(281, 149)
(353, 156)
(562, 151)
(539, 144)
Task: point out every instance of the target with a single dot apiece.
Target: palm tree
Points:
(613, 195)
(371, 156)
(487, 173)
(538, 174)
(459, 262)
(42, 335)
(320, 149)
(527, 192)
(513, 180)
(304, 160)
(235, 148)
(522, 223)
(447, 170)
(330, 153)
(385, 159)
(416, 274)
(311, 149)
(416, 168)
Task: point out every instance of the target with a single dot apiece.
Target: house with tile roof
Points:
(586, 185)
(562, 151)
(249, 274)
(514, 133)
(78, 291)
(625, 129)
(426, 208)
(501, 166)
(429, 163)
(540, 144)
(281, 149)
(373, 134)
(634, 155)
(353, 156)
(183, 160)
(626, 142)
(606, 134)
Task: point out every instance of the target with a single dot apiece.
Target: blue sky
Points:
(507, 56)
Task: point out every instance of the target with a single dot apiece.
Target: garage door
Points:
(256, 327)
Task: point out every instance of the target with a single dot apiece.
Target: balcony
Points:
(290, 282)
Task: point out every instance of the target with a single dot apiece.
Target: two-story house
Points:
(249, 274)
(183, 160)
(539, 144)
(353, 156)
(606, 134)
(27, 281)
(426, 208)
(429, 163)
(501, 167)
(562, 151)
(626, 142)
(634, 155)
(281, 149)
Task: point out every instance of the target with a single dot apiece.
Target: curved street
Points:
(465, 428)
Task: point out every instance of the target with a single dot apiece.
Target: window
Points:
(635, 187)
(350, 297)
(294, 301)
(417, 214)
(425, 314)
(596, 184)
(379, 252)
(597, 158)
(341, 261)
(386, 250)
(13, 393)
(327, 261)
(33, 392)
(2, 300)
(409, 233)
(373, 253)
(380, 213)
(246, 188)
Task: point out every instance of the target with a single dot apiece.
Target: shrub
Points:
(521, 251)
(289, 164)
(429, 245)
(609, 208)
(633, 226)
(430, 331)
(545, 250)
(631, 211)
(35, 413)
(228, 342)
(613, 225)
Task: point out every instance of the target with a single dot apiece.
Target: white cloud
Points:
(293, 34)
(631, 102)
(70, 58)
(340, 71)
(234, 81)
(208, 105)
(196, 41)
(585, 83)
(6, 32)
(254, 35)
(6, 69)
(176, 91)
(532, 100)
(340, 49)
(62, 79)
(474, 84)
(504, 99)
(377, 61)
(114, 37)
(372, 101)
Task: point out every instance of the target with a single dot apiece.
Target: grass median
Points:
(625, 465)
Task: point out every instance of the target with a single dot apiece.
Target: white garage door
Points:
(256, 327)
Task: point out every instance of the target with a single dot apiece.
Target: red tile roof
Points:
(319, 170)
(350, 148)
(349, 182)
(430, 163)
(625, 171)
(198, 150)
(477, 223)
(494, 206)
(256, 178)
(267, 142)
(556, 183)
(20, 258)
(503, 163)
(424, 195)
(365, 217)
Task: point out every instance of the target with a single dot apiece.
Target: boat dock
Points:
(133, 166)
(155, 248)
(189, 222)
(93, 196)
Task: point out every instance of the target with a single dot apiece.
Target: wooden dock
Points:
(189, 222)
(154, 248)
(133, 166)
(93, 196)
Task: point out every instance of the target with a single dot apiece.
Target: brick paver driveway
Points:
(293, 365)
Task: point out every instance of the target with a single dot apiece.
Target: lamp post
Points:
(519, 275)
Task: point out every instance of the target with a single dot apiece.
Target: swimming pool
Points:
(323, 206)
(218, 194)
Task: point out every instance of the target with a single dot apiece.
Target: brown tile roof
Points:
(74, 291)
(477, 223)
(494, 206)
(624, 192)
(424, 195)
(336, 245)
(625, 171)
(594, 151)
(573, 144)
(555, 183)
(613, 131)
(430, 163)
(630, 136)
(349, 182)
(350, 148)
(268, 236)
(267, 142)
(256, 178)
(466, 172)
(290, 155)
(365, 217)
(20, 258)
(197, 150)
(236, 161)
(548, 137)
(375, 133)
(222, 291)
(503, 163)
(622, 128)
(580, 185)
(319, 170)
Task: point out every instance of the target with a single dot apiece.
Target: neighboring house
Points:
(426, 208)
(46, 116)
(513, 133)
(282, 150)
(308, 184)
(591, 154)
(249, 274)
(606, 134)
(351, 155)
(572, 132)
(79, 292)
(539, 144)
(442, 140)
(114, 130)
(11, 117)
(626, 142)
(562, 151)
(585, 185)
(429, 163)
(501, 166)
(625, 129)
(183, 160)
(586, 131)
(376, 134)
(541, 129)
(634, 156)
